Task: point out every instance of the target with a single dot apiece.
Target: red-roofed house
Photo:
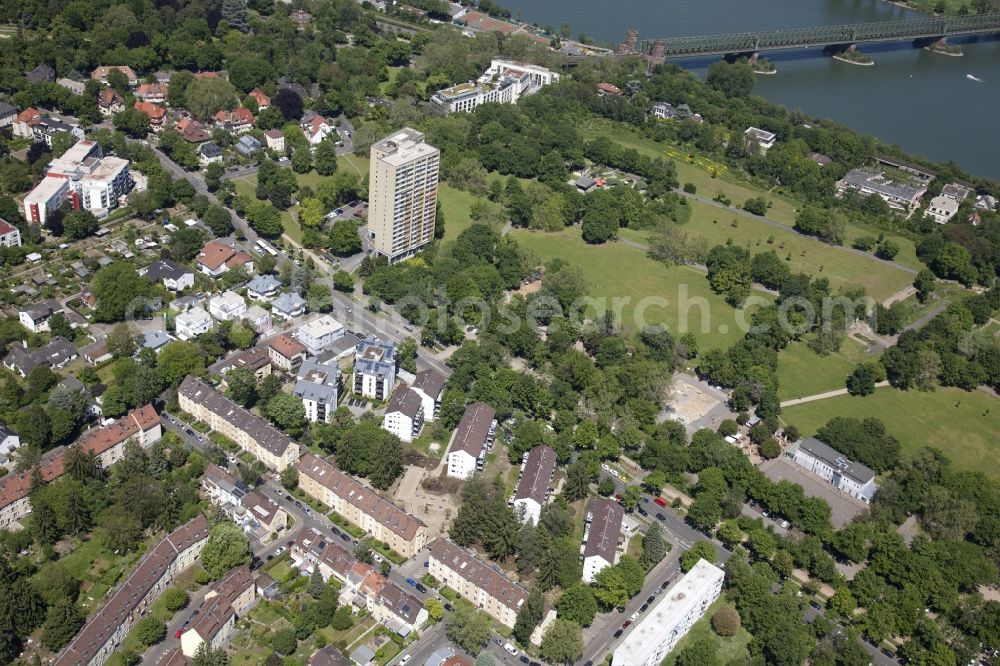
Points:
(110, 102)
(101, 73)
(216, 258)
(227, 600)
(25, 122)
(317, 129)
(152, 92)
(156, 114)
(192, 130)
(608, 89)
(263, 101)
(237, 121)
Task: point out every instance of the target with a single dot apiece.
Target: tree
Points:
(577, 482)
(226, 547)
(265, 219)
(302, 160)
(529, 615)
(79, 224)
(120, 292)
(731, 79)
(287, 412)
(605, 486)
(700, 653)
(289, 478)
(562, 643)
(925, 283)
(865, 376)
(319, 297)
(316, 584)
(630, 497)
(486, 659)
(435, 610)
(208, 96)
(234, 13)
(217, 218)
(577, 604)
(726, 621)
(700, 550)
(769, 449)
(325, 159)
(654, 547)
(344, 239)
(342, 281)
(241, 386)
(283, 641)
(132, 122)
(469, 628)
(62, 622)
(179, 359)
(150, 631)
(175, 599)
(206, 655)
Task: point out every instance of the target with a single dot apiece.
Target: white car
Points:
(634, 616)
(404, 660)
(511, 649)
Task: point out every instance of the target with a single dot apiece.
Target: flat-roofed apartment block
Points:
(317, 385)
(671, 617)
(488, 589)
(228, 599)
(104, 632)
(361, 505)
(402, 193)
(374, 369)
(106, 444)
(602, 537)
(472, 440)
(533, 489)
(251, 433)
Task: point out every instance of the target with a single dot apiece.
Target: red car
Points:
(660, 501)
(177, 634)
(618, 498)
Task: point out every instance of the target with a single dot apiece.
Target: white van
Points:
(510, 648)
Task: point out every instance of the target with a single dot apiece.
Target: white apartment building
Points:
(533, 489)
(35, 317)
(318, 334)
(317, 385)
(429, 385)
(226, 306)
(760, 140)
(90, 182)
(402, 193)
(671, 617)
(192, 323)
(942, 208)
(404, 415)
(834, 467)
(487, 588)
(374, 369)
(505, 82)
(471, 441)
(10, 235)
(601, 537)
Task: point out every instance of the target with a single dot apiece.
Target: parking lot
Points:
(843, 509)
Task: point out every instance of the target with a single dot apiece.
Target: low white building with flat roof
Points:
(320, 333)
(192, 323)
(671, 617)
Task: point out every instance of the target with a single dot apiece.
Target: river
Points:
(920, 100)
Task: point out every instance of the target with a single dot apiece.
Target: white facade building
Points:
(471, 441)
(834, 467)
(942, 208)
(227, 305)
(402, 193)
(505, 82)
(90, 182)
(404, 416)
(317, 385)
(319, 333)
(532, 491)
(671, 617)
(374, 369)
(10, 235)
(429, 385)
(192, 323)
(602, 537)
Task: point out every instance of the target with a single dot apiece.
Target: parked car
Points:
(177, 634)
(404, 660)
(410, 581)
(626, 624)
(642, 512)
(618, 633)
(420, 588)
(498, 640)
(661, 501)
(511, 649)
(634, 616)
(660, 517)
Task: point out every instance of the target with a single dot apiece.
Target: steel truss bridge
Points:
(835, 35)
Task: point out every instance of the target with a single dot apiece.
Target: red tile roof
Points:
(364, 498)
(261, 98)
(109, 96)
(29, 115)
(155, 113)
(6, 227)
(286, 346)
(214, 254)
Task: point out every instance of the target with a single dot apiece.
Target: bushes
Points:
(284, 641)
(726, 621)
(175, 599)
(150, 631)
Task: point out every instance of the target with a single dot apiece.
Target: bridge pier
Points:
(848, 53)
(938, 45)
(759, 65)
